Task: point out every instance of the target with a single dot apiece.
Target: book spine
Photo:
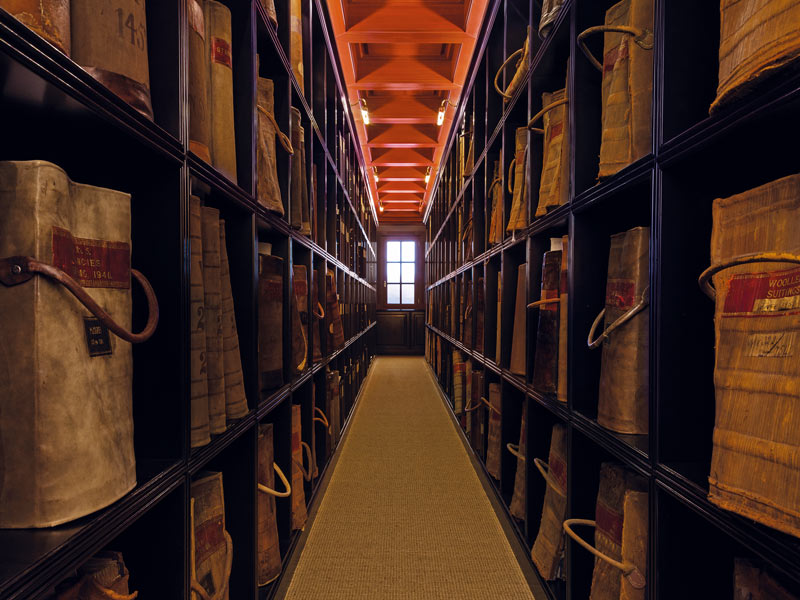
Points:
(554, 183)
(49, 18)
(200, 433)
(548, 548)
(299, 317)
(545, 361)
(299, 513)
(235, 398)
(219, 49)
(517, 507)
(269, 552)
(268, 189)
(199, 67)
(479, 316)
(517, 362)
(493, 447)
(296, 43)
(270, 321)
(563, 318)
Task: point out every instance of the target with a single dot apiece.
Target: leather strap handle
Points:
(307, 473)
(104, 592)
(470, 407)
(705, 277)
(492, 185)
(642, 37)
(544, 470)
(489, 406)
(284, 139)
(500, 72)
(320, 311)
(541, 113)
(639, 307)
(322, 418)
(629, 570)
(514, 449)
(201, 591)
(539, 303)
(287, 488)
(511, 166)
(19, 269)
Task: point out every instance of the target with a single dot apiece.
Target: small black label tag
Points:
(97, 338)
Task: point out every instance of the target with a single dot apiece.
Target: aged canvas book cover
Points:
(493, 447)
(333, 317)
(496, 194)
(548, 548)
(299, 317)
(200, 432)
(109, 40)
(296, 42)
(476, 427)
(498, 323)
(332, 410)
(101, 577)
(517, 364)
(269, 7)
(199, 71)
(756, 443)
(299, 211)
(522, 65)
(48, 18)
(468, 310)
(270, 321)
(269, 551)
(299, 514)
(545, 358)
(550, 10)
(459, 369)
(211, 548)
(554, 183)
(518, 216)
(86, 460)
(317, 315)
(752, 583)
(480, 309)
(268, 188)
(623, 397)
(563, 320)
(518, 498)
(235, 399)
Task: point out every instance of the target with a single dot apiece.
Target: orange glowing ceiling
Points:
(404, 61)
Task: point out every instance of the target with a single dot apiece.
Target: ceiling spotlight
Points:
(428, 175)
(440, 116)
(364, 111)
(375, 169)
(380, 207)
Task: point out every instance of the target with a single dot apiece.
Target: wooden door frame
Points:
(404, 232)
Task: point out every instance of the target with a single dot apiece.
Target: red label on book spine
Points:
(221, 52)
(609, 522)
(620, 293)
(769, 294)
(92, 263)
(614, 56)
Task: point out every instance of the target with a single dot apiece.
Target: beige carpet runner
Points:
(404, 515)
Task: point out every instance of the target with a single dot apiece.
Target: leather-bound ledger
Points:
(465, 420)
(268, 188)
(452, 309)
(545, 357)
(468, 314)
(212, 282)
(333, 318)
(550, 10)
(480, 308)
(48, 18)
(270, 321)
(554, 183)
(458, 382)
(758, 40)
(563, 320)
(268, 542)
(200, 433)
(66, 380)
(518, 497)
(269, 8)
(103, 576)
(199, 71)
(622, 404)
(332, 410)
(518, 216)
(299, 317)
(548, 548)
(496, 194)
(498, 338)
(493, 444)
(299, 472)
(518, 334)
(296, 43)
(219, 41)
(235, 399)
(109, 40)
(753, 583)
(299, 216)
(522, 65)
(211, 549)
(476, 415)
(627, 85)
(317, 316)
(755, 251)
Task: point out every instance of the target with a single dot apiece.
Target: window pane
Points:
(408, 251)
(393, 293)
(408, 273)
(408, 293)
(393, 251)
(393, 272)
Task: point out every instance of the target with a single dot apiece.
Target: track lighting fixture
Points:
(364, 111)
(442, 111)
(375, 169)
(380, 207)
(427, 175)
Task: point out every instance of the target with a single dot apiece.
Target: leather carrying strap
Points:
(284, 139)
(111, 594)
(511, 166)
(539, 303)
(544, 470)
(320, 312)
(514, 449)
(639, 307)
(19, 269)
(642, 37)
(201, 591)
(541, 113)
(312, 467)
(500, 72)
(629, 570)
(287, 488)
(322, 418)
(705, 277)
(489, 406)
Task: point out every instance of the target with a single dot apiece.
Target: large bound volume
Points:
(269, 7)
(299, 473)
(755, 251)
(554, 183)
(550, 9)
(620, 537)
(480, 307)
(458, 382)
(212, 287)
(563, 320)
(211, 551)
(200, 433)
(468, 310)
(518, 216)
(109, 40)
(235, 399)
(332, 410)
(758, 39)
(296, 42)
(66, 430)
(498, 337)
(496, 194)
(751, 583)
(545, 358)
(517, 506)
(218, 48)
(299, 317)
(517, 363)
(452, 309)
(101, 577)
(268, 189)
(521, 71)
(317, 315)
(476, 413)
(299, 216)
(333, 318)
(622, 404)
(269, 550)
(199, 70)
(48, 18)
(465, 418)
(493, 448)
(270, 321)
(548, 548)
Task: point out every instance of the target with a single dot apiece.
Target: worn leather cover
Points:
(627, 88)
(756, 451)
(758, 38)
(209, 552)
(465, 420)
(199, 71)
(212, 282)
(48, 18)
(517, 363)
(299, 215)
(634, 540)
(66, 430)
(545, 358)
(269, 550)
(477, 416)
(333, 318)
(468, 313)
(548, 548)
(554, 183)
(104, 576)
(622, 404)
(493, 447)
(752, 583)
(299, 514)
(268, 189)
(563, 320)
(219, 49)
(550, 10)
(299, 317)
(332, 410)
(480, 308)
(270, 321)
(316, 321)
(200, 433)
(458, 382)
(517, 506)
(518, 216)
(296, 41)
(498, 323)
(496, 219)
(269, 7)
(452, 310)
(522, 66)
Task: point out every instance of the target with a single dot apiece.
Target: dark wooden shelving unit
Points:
(695, 158)
(53, 110)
